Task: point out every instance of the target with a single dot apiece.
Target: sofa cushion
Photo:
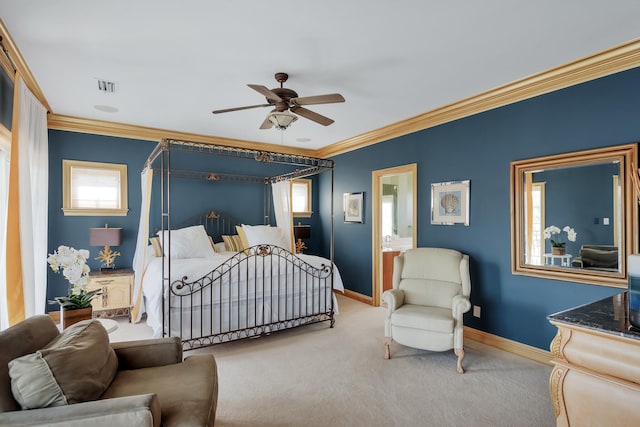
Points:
(20, 339)
(76, 366)
(423, 317)
(187, 391)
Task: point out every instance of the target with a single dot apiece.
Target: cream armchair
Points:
(431, 288)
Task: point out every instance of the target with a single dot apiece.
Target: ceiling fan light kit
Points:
(285, 102)
(281, 119)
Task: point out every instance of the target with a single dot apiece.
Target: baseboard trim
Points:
(358, 297)
(511, 346)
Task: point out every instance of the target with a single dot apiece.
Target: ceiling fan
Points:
(285, 101)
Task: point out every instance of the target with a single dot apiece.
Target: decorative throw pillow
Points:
(217, 247)
(157, 247)
(188, 242)
(76, 366)
(233, 243)
(243, 236)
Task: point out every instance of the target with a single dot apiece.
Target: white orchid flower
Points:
(74, 266)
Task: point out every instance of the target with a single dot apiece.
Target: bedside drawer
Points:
(115, 299)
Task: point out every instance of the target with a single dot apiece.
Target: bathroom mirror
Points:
(574, 215)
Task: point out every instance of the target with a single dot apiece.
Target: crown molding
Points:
(22, 67)
(619, 58)
(102, 127)
(6, 66)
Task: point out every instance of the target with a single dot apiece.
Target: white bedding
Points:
(233, 295)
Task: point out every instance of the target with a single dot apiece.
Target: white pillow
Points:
(265, 234)
(188, 242)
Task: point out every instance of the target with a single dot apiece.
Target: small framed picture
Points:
(450, 203)
(352, 205)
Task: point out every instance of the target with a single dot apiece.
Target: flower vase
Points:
(69, 317)
(558, 250)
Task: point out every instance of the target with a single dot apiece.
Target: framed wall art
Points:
(353, 207)
(450, 203)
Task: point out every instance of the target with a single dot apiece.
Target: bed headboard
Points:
(216, 224)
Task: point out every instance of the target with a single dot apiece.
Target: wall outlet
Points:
(476, 311)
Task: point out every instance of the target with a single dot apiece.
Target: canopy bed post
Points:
(333, 320)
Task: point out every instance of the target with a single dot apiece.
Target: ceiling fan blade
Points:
(266, 124)
(308, 114)
(266, 92)
(240, 108)
(318, 99)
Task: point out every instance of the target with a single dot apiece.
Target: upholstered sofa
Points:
(597, 257)
(77, 378)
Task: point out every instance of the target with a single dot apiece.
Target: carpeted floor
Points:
(317, 376)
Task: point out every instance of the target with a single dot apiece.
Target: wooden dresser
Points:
(117, 288)
(596, 376)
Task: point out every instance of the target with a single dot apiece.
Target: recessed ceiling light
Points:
(106, 108)
(303, 139)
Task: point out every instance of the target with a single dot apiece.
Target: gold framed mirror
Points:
(574, 216)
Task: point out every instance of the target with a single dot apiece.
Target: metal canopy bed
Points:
(213, 296)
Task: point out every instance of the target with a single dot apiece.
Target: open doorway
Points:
(394, 205)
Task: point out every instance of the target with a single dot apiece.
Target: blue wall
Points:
(594, 114)
(74, 230)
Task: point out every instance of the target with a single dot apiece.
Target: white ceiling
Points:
(175, 61)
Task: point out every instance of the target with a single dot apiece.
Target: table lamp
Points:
(108, 237)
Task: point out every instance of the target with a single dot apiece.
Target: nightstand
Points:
(117, 288)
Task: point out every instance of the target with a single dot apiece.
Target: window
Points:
(535, 223)
(301, 197)
(94, 189)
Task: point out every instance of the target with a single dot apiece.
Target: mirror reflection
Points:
(575, 216)
(572, 216)
(397, 212)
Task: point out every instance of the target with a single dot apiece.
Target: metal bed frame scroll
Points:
(260, 290)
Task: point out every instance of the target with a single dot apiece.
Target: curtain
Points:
(282, 208)
(26, 251)
(146, 182)
(4, 191)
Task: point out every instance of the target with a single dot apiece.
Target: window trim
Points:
(308, 212)
(66, 189)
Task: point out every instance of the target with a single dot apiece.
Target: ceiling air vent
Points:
(106, 86)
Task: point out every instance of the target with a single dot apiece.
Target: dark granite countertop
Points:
(608, 315)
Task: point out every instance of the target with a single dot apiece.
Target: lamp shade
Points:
(105, 236)
(282, 119)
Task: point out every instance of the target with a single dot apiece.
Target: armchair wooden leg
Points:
(460, 353)
(387, 351)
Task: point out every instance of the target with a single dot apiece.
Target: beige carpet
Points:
(317, 376)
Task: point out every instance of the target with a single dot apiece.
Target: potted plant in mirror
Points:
(76, 305)
(556, 236)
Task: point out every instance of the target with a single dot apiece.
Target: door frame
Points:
(376, 232)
